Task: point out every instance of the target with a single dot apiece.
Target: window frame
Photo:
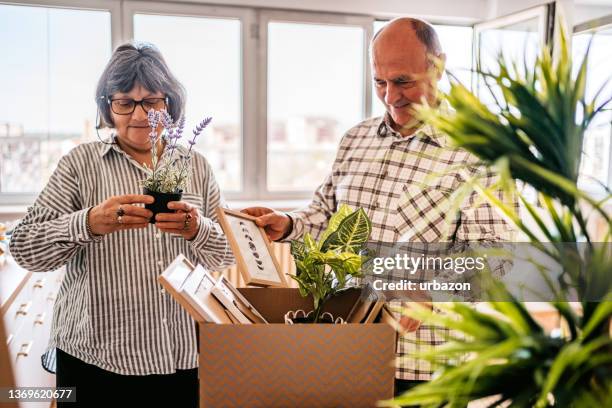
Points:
(545, 15)
(265, 17)
(248, 65)
(114, 8)
(592, 26)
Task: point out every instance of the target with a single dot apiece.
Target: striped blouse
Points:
(110, 310)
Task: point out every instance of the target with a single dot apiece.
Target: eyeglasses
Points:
(128, 106)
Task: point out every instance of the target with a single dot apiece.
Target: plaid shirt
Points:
(390, 177)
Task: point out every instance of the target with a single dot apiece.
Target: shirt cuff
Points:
(77, 228)
(296, 228)
(206, 225)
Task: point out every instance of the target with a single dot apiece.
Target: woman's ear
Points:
(101, 123)
(103, 114)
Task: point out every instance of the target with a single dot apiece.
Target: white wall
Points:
(467, 11)
(578, 11)
(457, 11)
(584, 13)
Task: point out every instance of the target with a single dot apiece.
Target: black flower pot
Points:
(160, 205)
(301, 317)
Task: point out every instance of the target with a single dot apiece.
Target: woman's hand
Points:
(185, 221)
(118, 213)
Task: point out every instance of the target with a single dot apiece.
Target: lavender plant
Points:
(169, 175)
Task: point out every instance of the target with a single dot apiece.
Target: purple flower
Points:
(153, 117)
(166, 120)
(196, 132)
(174, 134)
(180, 128)
(200, 127)
(170, 133)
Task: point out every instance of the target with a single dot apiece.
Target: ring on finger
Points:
(187, 221)
(120, 219)
(120, 212)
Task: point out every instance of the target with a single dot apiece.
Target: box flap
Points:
(274, 303)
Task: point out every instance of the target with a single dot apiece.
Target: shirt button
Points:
(158, 235)
(160, 263)
(405, 188)
(162, 291)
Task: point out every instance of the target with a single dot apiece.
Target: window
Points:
(48, 77)
(456, 43)
(518, 38)
(282, 86)
(204, 53)
(595, 165)
(315, 94)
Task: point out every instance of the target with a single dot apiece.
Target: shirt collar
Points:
(110, 143)
(385, 129)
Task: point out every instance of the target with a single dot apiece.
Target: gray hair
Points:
(143, 64)
(424, 31)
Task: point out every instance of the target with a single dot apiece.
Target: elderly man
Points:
(383, 164)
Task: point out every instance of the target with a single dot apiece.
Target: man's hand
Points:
(275, 223)
(409, 324)
(418, 300)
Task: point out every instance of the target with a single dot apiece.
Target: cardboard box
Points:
(300, 365)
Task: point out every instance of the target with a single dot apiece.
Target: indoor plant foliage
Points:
(535, 137)
(168, 177)
(324, 268)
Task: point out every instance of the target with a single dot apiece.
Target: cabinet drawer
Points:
(41, 288)
(17, 313)
(28, 345)
(38, 283)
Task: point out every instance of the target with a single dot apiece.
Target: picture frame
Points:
(236, 304)
(175, 275)
(367, 308)
(198, 292)
(191, 287)
(252, 249)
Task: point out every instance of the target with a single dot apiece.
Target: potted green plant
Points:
(168, 177)
(533, 135)
(325, 267)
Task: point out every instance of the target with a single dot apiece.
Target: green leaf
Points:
(352, 233)
(348, 263)
(602, 313)
(309, 243)
(298, 250)
(323, 270)
(335, 220)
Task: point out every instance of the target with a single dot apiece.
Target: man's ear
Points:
(440, 65)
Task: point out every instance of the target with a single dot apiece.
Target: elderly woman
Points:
(115, 331)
